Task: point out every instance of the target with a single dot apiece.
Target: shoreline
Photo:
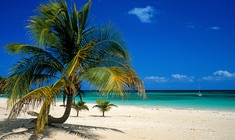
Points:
(176, 108)
(128, 122)
(179, 99)
(223, 109)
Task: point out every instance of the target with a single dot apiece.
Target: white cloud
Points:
(182, 77)
(144, 14)
(223, 73)
(174, 78)
(214, 28)
(178, 76)
(219, 75)
(156, 79)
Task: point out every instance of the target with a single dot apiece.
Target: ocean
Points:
(209, 99)
(188, 99)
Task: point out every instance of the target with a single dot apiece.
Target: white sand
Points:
(129, 123)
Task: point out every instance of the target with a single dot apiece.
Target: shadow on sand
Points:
(25, 127)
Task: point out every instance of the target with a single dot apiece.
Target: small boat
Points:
(199, 94)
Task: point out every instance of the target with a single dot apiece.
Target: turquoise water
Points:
(218, 100)
(213, 100)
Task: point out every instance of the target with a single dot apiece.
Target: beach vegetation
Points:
(2, 82)
(66, 50)
(104, 105)
(79, 106)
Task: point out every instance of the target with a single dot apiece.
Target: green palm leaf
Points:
(37, 69)
(104, 105)
(35, 97)
(42, 118)
(106, 79)
(79, 106)
(22, 48)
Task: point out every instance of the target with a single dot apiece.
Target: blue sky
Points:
(174, 44)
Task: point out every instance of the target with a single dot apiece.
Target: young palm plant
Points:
(66, 52)
(79, 106)
(104, 105)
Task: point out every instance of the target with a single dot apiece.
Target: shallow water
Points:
(218, 100)
(213, 100)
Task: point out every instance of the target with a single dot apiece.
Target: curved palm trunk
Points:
(66, 112)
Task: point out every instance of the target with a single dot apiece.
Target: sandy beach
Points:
(127, 123)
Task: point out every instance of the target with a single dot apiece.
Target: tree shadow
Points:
(25, 127)
(16, 128)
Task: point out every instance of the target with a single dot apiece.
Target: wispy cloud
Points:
(156, 79)
(215, 28)
(173, 78)
(181, 77)
(223, 73)
(219, 75)
(145, 15)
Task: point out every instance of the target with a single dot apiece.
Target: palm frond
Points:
(79, 106)
(106, 40)
(96, 106)
(46, 94)
(106, 79)
(82, 16)
(43, 26)
(77, 61)
(104, 105)
(42, 118)
(32, 98)
(74, 19)
(32, 71)
(22, 48)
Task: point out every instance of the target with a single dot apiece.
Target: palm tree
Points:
(104, 105)
(66, 52)
(80, 105)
